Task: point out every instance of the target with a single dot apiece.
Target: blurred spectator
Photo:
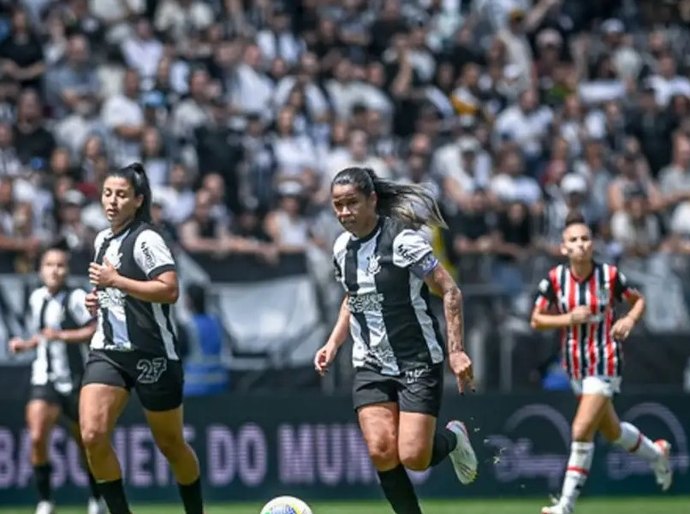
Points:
(21, 53)
(31, 138)
(123, 116)
(286, 225)
(10, 165)
(635, 227)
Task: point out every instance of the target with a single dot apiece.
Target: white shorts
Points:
(601, 385)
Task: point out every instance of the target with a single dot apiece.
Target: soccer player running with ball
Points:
(583, 293)
(386, 266)
(60, 324)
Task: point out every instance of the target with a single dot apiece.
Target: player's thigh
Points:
(610, 424)
(379, 425)
(593, 405)
(41, 417)
(415, 439)
(102, 398)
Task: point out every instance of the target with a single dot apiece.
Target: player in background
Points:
(135, 346)
(60, 324)
(386, 265)
(578, 298)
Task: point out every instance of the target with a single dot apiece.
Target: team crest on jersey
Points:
(604, 296)
(373, 266)
(115, 259)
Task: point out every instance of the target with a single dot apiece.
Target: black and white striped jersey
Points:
(391, 322)
(58, 363)
(124, 322)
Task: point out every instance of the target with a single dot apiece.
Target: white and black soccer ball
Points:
(286, 505)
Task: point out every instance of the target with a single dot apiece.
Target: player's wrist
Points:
(632, 318)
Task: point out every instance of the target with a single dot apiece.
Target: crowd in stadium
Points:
(242, 111)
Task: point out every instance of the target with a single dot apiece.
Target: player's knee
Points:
(171, 445)
(383, 453)
(415, 459)
(94, 438)
(39, 439)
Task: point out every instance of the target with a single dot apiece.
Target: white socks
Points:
(578, 469)
(634, 441)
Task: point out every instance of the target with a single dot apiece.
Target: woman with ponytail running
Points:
(385, 263)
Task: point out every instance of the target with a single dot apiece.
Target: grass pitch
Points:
(646, 505)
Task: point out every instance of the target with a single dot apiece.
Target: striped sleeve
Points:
(621, 289)
(546, 296)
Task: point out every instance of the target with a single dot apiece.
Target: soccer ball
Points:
(286, 505)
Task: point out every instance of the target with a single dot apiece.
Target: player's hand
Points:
(91, 302)
(51, 334)
(18, 345)
(102, 275)
(622, 328)
(461, 366)
(324, 357)
(580, 315)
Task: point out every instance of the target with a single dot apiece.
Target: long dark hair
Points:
(135, 174)
(412, 204)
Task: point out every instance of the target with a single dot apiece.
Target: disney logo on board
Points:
(518, 457)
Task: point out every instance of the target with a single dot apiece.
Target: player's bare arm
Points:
(459, 361)
(326, 354)
(342, 325)
(76, 335)
(621, 329)
(542, 320)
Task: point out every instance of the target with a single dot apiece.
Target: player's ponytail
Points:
(135, 174)
(412, 204)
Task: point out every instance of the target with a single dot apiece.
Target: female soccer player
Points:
(583, 293)
(134, 345)
(61, 324)
(386, 266)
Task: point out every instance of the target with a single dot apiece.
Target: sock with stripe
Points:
(577, 471)
(635, 442)
(399, 490)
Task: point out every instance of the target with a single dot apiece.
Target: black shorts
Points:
(157, 380)
(68, 403)
(417, 390)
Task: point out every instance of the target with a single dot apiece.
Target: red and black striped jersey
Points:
(588, 349)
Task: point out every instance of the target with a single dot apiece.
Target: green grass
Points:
(647, 505)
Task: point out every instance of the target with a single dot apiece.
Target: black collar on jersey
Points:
(361, 240)
(124, 229)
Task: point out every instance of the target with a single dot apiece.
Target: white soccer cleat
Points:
(662, 467)
(463, 457)
(45, 507)
(558, 508)
(97, 506)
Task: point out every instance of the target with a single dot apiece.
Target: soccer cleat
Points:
(558, 508)
(463, 457)
(45, 507)
(96, 506)
(662, 467)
